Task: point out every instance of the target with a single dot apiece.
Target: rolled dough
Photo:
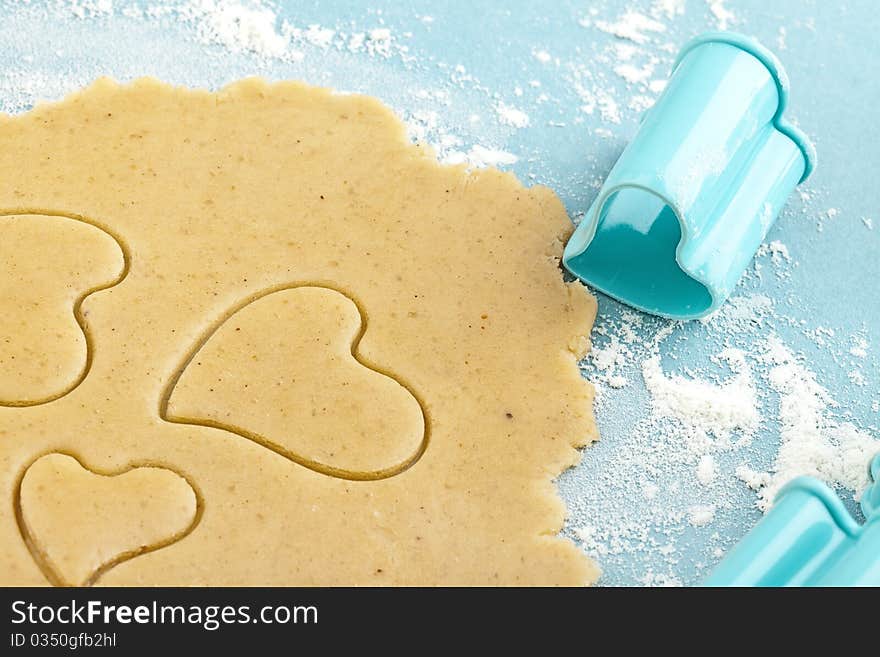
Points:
(256, 337)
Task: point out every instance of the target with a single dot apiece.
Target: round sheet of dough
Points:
(363, 362)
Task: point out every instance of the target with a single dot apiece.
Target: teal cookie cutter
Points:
(691, 198)
(808, 538)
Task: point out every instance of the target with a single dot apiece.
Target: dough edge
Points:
(581, 302)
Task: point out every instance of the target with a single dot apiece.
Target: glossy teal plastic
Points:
(808, 538)
(691, 198)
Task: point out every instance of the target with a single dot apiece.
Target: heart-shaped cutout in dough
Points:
(49, 263)
(283, 370)
(78, 523)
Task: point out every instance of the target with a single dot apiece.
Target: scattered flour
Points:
(321, 37)
(640, 103)
(379, 42)
(706, 469)
(811, 442)
(480, 156)
(860, 347)
(238, 27)
(779, 257)
(740, 314)
(511, 116)
(20, 89)
(857, 378)
(90, 8)
(668, 8)
(724, 18)
(781, 36)
(542, 56)
(778, 252)
(716, 408)
(632, 26)
(633, 74)
(700, 516)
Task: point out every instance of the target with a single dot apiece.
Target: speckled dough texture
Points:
(257, 337)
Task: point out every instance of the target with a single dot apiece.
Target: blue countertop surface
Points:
(466, 74)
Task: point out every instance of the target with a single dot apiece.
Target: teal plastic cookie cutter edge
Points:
(774, 65)
(808, 538)
(691, 198)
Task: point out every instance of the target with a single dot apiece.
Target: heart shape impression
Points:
(78, 523)
(283, 370)
(45, 350)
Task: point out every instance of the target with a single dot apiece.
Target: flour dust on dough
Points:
(345, 363)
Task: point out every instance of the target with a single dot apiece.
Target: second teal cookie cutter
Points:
(689, 201)
(808, 538)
